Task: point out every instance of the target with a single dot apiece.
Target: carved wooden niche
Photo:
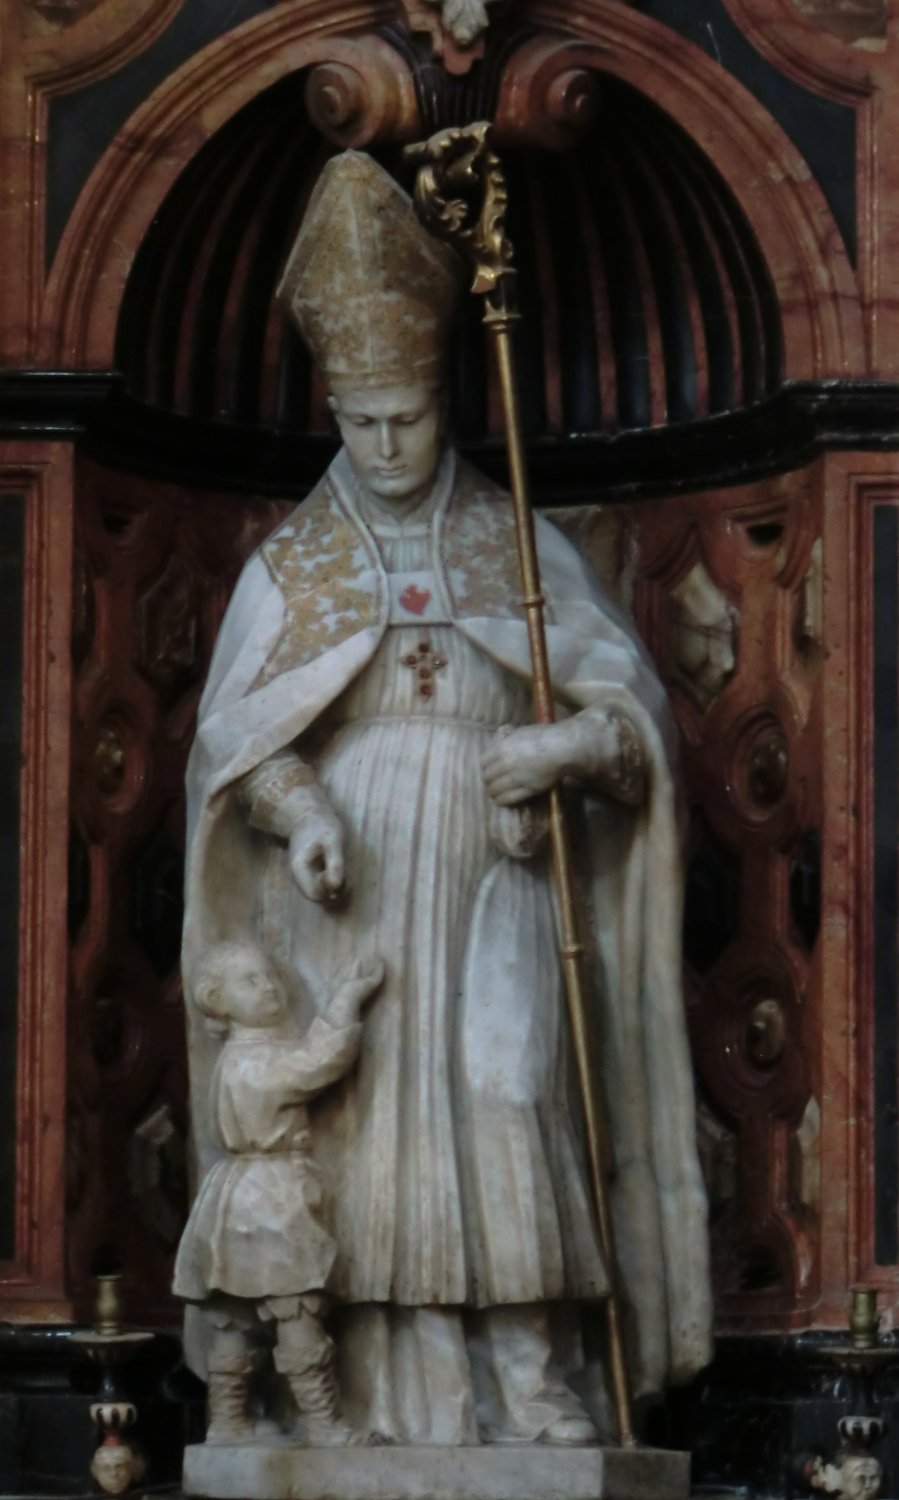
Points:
(726, 587)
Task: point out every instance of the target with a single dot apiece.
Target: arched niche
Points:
(645, 295)
(814, 284)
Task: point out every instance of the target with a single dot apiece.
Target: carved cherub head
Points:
(236, 984)
(860, 1476)
(116, 1466)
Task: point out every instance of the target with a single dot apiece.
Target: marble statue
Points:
(365, 785)
(255, 1250)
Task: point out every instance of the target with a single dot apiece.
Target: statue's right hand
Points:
(316, 856)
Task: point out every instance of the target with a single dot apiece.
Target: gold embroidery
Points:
(480, 549)
(317, 559)
(630, 779)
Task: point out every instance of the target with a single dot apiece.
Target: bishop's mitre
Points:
(371, 291)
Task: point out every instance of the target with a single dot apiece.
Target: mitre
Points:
(370, 290)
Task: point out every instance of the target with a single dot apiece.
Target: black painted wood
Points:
(47, 1437)
(768, 1404)
(782, 433)
(785, 432)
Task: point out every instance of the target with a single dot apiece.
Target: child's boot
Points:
(305, 1355)
(227, 1392)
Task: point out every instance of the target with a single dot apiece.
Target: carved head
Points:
(115, 1467)
(235, 982)
(860, 1476)
(394, 438)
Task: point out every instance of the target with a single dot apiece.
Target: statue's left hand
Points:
(522, 763)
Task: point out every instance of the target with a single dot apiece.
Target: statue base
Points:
(527, 1471)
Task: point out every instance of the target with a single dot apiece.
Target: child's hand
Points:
(365, 976)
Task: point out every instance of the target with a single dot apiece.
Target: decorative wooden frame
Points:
(854, 486)
(32, 1285)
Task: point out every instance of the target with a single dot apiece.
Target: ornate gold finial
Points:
(461, 195)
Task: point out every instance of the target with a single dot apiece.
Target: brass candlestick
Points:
(116, 1466)
(855, 1469)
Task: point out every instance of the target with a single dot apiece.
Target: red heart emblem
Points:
(414, 599)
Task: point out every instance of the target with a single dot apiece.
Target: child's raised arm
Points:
(363, 979)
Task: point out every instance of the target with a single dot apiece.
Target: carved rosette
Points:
(549, 96)
(361, 95)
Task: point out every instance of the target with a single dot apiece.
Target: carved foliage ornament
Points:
(463, 19)
(456, 28)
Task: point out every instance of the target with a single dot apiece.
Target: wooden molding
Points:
(794, 44)
(33, 1284)
(123, 193)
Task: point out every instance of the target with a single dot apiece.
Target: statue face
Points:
(861, 1478)
(394, 438)
(251, 994)
(112, 1468)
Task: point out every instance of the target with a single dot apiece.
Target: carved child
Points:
(255, 1248)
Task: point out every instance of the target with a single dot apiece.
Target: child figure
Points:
(255, 1246)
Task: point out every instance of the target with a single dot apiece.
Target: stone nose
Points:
(387, 446)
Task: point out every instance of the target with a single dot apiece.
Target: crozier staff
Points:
(361, 783)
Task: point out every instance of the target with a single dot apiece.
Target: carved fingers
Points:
(522, 763)
(364, 978)
(600, 749)
(316, 856)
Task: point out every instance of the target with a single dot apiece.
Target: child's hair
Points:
(209, 978)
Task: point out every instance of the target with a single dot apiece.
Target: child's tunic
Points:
(256, 1228)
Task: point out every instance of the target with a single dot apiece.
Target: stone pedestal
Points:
(285, 1471)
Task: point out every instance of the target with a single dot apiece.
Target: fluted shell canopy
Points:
(646, 300)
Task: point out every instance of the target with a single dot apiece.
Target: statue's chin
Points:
(400, 494)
